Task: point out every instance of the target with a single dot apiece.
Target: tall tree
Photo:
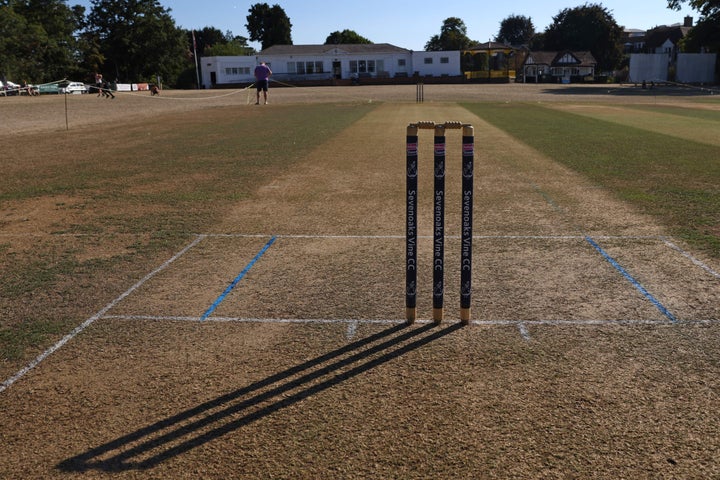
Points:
(12, 26)
(453, 36)
(516, 30)
(37, 41)
(706, 8)
(212, 42)
(207, 37)
(237, 46)
(589, 27)
(269, 25)
(346, 36)
(706, 33)
(138, 39)
(704, 37)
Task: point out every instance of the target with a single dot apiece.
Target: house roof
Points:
(490, 46)
(565, 57)
(657, 36)
(341, 48)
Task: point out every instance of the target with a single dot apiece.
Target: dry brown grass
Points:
(568, 371)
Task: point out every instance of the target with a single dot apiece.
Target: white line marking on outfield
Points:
(351, 329)
(92, 319)
(524, 331)
(367, 237)
(391, 321)
(691, 258)
(343, 321)
(303, 236)
(399, 237)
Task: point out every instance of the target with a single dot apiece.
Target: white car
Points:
(74, 87)
(9, 88)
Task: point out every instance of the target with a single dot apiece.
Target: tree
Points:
(704, 36)
(706, 33)
(236, 46)
(138, 40)
(269, 25)
(516, 30)
(207, 37)
(37, 41)
(210, 41)
(537, 43)
(706, 8)
(12, 25)
(453, 36)
(346, 36)
(589, 27)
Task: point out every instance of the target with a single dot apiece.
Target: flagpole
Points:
(197, 72)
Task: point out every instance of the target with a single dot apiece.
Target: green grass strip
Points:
(692, 113)
(675, 180)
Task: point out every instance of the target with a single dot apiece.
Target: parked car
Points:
(9, 88)
(74, 87)
(53, 88)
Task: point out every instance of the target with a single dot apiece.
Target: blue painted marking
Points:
(237, 279)
(629, 277)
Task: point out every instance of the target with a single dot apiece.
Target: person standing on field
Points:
(262, 80)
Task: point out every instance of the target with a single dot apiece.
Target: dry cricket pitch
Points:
(273, 346)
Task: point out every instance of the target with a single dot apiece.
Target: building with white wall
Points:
(331, 63)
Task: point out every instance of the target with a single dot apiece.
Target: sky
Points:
(404, 23)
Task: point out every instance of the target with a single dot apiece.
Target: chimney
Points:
(688, 21)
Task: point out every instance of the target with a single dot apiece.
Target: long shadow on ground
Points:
(168, 438)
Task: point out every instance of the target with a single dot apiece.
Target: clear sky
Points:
(406, 23)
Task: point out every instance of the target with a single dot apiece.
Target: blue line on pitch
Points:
(629, 277)
(237, 279)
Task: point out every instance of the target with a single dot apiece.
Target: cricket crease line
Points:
(398, 237)
(342, 321)
(390, 321)
(351, 329)
(371, 237)
(524, 333)
(694, 260)
(22, 372)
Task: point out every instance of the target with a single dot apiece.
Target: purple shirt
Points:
(262, 72)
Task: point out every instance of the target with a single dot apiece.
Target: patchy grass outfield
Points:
(144, 187)
(567, 370)
(632, 152)
(158, 181)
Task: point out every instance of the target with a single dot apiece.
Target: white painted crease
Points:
(92, 319)
(351, 329)
(691, 258)
(391, 321)
(524, 331)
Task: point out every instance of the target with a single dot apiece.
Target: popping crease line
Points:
(393, 237)
(368, 237)
(395, 321)
(694, 260)
(77, 330)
